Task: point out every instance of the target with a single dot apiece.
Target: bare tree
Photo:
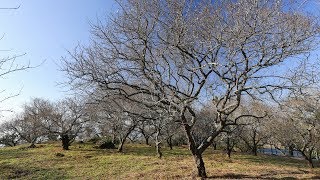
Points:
(8, 137)
(255, 131)
(118, 118)
(28, 128)
(146, 130)
(231, 138)
(67, 120)
(28, 124)
(173, 54)
(170, 130)
(300, 119)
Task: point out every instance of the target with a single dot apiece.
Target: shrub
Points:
(105, 144)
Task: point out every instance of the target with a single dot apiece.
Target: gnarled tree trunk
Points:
(197, 155)
(200, 165)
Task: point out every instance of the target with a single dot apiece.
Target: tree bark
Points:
(200, 165)
(65, 142)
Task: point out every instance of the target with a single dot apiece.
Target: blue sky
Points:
(44, 30)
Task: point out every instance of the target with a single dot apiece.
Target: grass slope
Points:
(140, 162)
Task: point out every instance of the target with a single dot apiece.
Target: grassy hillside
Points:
(139, 162)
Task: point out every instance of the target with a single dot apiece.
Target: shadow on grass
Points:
(275, 160)
(132, 149)
(16, 172)
(244, 176)
(144, 150)
(16, 153)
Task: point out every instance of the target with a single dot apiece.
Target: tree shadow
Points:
(245, 176)
(10, 154)
(276, 160)
(18, 172)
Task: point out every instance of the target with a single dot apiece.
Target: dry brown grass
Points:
(140, 162)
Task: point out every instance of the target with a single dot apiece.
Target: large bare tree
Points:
(174, 54)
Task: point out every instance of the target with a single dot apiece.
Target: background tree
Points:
(118, 118)
(8, 136)
(302, 122)
(146, 129)
(231, 138)
(27, 128)
(255, 131)
(67, 121)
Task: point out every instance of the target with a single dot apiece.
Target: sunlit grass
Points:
(140, 162)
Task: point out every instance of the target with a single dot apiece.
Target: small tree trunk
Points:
(65, 142)
(291, 149)
(169, 141)
(229, 153)
(158, 149)
(310, 162)
(229, 148)
(147, 140)
(254, 149)
(122, 141)
(214, 145)
(308, 158)
(113, 138)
